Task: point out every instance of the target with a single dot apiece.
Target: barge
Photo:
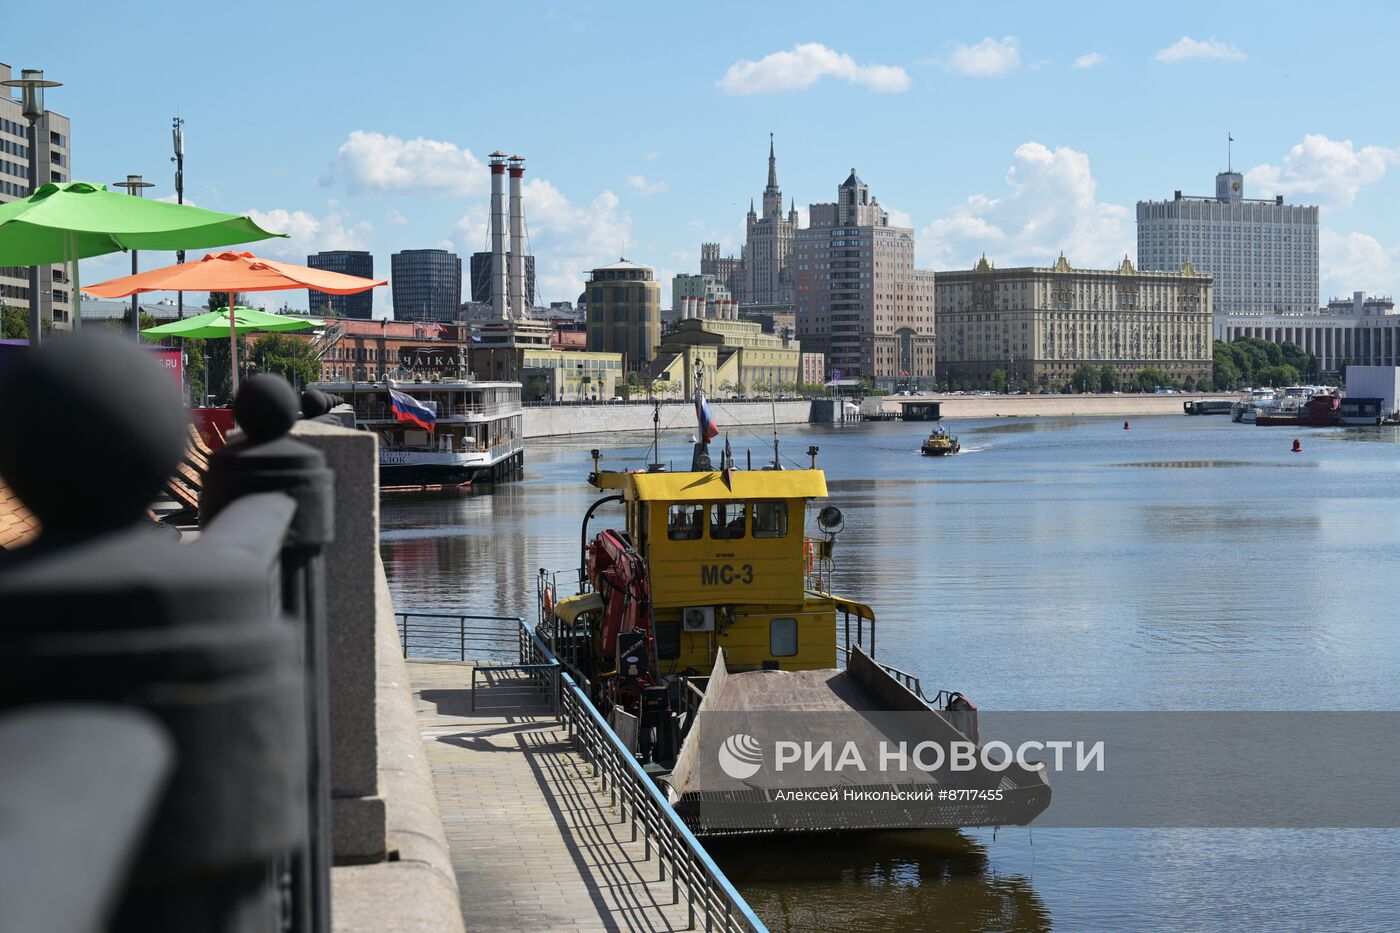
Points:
(705, 628)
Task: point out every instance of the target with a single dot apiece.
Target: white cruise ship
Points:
(477, 434)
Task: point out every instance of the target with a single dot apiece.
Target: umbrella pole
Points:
(77, 291)
(232, 346)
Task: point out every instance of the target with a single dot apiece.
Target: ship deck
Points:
(534, 844)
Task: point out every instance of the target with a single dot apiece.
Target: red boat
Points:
(1319, 411)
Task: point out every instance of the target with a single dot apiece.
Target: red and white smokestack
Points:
(517, 238)
(498, 235)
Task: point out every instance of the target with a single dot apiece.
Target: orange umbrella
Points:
(234, 272)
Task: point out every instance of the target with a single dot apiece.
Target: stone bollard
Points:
(105, 607)
(267, 460)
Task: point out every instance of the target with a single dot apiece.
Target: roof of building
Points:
(853, 181)
(621, 264)
(97, 309)
(985, 265)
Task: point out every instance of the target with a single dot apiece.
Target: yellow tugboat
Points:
(705, 628)
(940, 443)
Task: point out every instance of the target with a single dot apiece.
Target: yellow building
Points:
(569, 375)
(736, 357)
(522, 351)
(1038, 325)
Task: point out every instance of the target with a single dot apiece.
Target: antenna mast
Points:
(773, 407)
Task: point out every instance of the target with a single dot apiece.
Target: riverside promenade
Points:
(534, 844)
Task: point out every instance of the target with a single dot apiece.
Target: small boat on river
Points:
(940, 443)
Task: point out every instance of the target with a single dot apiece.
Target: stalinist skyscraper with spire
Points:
(768, 244)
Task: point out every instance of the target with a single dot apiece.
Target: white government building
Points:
(1356, 330)
(1262, 253)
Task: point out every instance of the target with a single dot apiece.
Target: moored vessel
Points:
(1319, 411)
(439, 434)
(705, 629)
(1209, 406)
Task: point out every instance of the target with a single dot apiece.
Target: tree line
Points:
(1249, 361)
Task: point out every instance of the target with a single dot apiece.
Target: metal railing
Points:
(708, 893)
(219, 645)
(910, 681)
(463, 636)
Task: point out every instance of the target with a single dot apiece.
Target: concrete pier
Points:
(533, 843)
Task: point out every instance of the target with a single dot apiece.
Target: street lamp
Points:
(134, 185)
(32, 82)
(177, 136)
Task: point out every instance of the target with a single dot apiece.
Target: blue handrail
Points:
(692, 845)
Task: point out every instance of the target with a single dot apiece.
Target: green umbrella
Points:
(74, 220)
(245, 321)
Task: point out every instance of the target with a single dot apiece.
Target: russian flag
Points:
(407, 408)
(708, 429)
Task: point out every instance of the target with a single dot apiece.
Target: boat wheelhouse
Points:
(475, 436)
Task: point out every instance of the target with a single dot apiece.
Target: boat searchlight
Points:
(830, 520)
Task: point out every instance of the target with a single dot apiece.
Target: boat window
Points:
(686, 522)
(770, 519)
(782, 638)
(727, 521)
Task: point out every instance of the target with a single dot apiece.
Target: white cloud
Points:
(172, 199)
(473, 229)
(804, 65)
(395, 218)
(644, 188)
(374, 162)
(1328, 170)
(1052, 207)
(1356, 262)
(898, 218)
(308, 233)
(989, 58)
(1089, 60)
(1189, 49)
(651, 156)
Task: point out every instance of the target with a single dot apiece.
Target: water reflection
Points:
(909, 881)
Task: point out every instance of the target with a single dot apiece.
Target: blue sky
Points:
(1020, 129)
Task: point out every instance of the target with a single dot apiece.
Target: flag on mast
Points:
(409, 409)
(727, 473)
(708, 429)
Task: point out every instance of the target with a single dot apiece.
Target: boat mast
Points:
(773, 408)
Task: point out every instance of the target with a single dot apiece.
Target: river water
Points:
(1056, 564)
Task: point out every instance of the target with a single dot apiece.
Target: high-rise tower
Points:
(769, 243)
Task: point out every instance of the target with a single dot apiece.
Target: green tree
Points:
(1148, 380)
(997, 381)
(1282, 375)
(290, 357)
(14, 323)
(1108, 379)
(194, 370)
(1226, 374)
(1298, 358)
(219, 300)
(1085, 379)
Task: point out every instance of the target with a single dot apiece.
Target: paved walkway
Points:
(534, 846)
